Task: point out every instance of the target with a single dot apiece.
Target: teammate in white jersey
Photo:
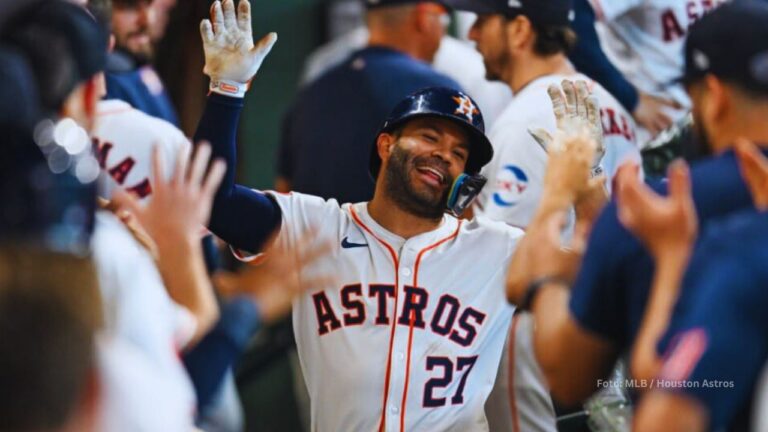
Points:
(411, 336)
(644, 39)
(525, 46)
(123, 141)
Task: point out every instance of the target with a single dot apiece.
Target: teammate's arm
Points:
(540, 255)
(557, 335)
(232, 60)
(589, 58)
(670, 412)
(172, 220)
(667, 226)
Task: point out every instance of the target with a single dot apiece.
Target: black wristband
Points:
(533, 289)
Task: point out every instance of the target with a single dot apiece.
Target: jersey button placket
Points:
(400, 345)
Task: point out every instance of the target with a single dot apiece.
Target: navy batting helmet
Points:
(445, 103)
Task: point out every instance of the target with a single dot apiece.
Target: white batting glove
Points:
(576, 112)
(231, 59)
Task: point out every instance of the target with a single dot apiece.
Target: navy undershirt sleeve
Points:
(589, 58)
(241, 216)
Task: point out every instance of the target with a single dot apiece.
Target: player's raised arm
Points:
(231, 61)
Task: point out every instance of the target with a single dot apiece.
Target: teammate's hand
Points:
(231, 58)
(591, 201)
(571, 155)
(754, 169)
(180, 206)
(649, 112)
(574, 111)
(664, 224)
(274, 283)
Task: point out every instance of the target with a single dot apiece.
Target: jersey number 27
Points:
(446, 364)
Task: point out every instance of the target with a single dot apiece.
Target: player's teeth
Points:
(437, 173)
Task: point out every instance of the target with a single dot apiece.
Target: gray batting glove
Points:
(576, 112)
(231, 58)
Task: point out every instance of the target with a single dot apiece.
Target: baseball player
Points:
(411, 336)
(644, 40)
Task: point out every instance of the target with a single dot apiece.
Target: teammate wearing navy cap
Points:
(601, 316)
(404, 36)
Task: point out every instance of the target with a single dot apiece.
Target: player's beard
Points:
(494, 66)
(400, 188)
(141, 53)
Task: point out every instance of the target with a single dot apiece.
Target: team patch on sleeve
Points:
(690, 347)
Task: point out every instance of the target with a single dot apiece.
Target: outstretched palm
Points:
(230, 54)
(662, 223)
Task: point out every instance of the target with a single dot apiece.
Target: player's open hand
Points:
(576, 111)
(754, 169)
(664, 224)
(285, 274)
(231, 58)
(180, 206)
(568, 166)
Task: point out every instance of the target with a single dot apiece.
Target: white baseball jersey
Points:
(410, 336)
(520, 400)
(139, 312)
(645, 40)
(516, 173)
(123, 141)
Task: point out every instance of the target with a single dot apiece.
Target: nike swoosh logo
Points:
(347, 245)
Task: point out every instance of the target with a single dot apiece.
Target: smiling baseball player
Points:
(410, 336)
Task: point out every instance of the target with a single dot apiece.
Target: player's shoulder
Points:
(742, 231)
(118, 113)
(296, 204)
(488, 229)
(113, 246)
(530, 107)
(394, 65)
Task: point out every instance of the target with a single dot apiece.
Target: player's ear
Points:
(519, 32)
(716, 99)
(385, 143)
